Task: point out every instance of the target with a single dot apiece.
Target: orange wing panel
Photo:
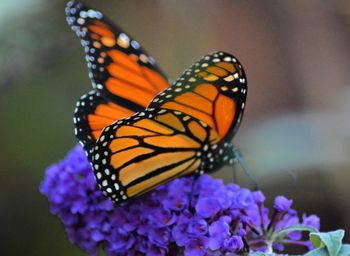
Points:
(150, 183)
(228, 66)
(102, 31)
(190, 111)
(122, 59)
(113, 113)
(128, 91)
(176, 141)
(197, 130)
(131, 78)
(98, 122)
(140, 169)
(157, 80)
(153, 126)
(207, 90)
(217, 71)
(126, 131)
(224, 114)
(171, 120)
(122, 143)
(195, 101)
(122, 157)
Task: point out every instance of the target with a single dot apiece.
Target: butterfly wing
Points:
(213, 90)
(138, 153)
(94, 112)
(121, 71)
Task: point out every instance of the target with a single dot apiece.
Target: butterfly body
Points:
(138, 130)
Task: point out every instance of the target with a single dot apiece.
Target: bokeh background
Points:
(295, 135)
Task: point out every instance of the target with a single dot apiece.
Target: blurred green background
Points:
(295, 136)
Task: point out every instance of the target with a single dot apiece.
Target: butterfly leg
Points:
(240, 161)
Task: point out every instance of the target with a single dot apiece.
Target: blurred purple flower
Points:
(207, 207)
(161, 222)
(258, 197)
(219, 231)
(233, 244)
(282, 204)
(196, 247)
(312, 220)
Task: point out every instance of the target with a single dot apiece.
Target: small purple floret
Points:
(282, 204)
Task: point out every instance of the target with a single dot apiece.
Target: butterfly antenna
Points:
(239, 159)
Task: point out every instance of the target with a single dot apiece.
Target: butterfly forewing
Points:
(121, 71)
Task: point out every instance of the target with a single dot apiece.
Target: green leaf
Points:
(345, 250)
(317, 252)
(291, 229)
(331, 240)
(257, 254)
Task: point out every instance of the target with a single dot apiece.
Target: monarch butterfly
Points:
(137, 129)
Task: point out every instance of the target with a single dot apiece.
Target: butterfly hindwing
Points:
(94, 112)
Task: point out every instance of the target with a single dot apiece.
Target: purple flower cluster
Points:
(221, 220)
